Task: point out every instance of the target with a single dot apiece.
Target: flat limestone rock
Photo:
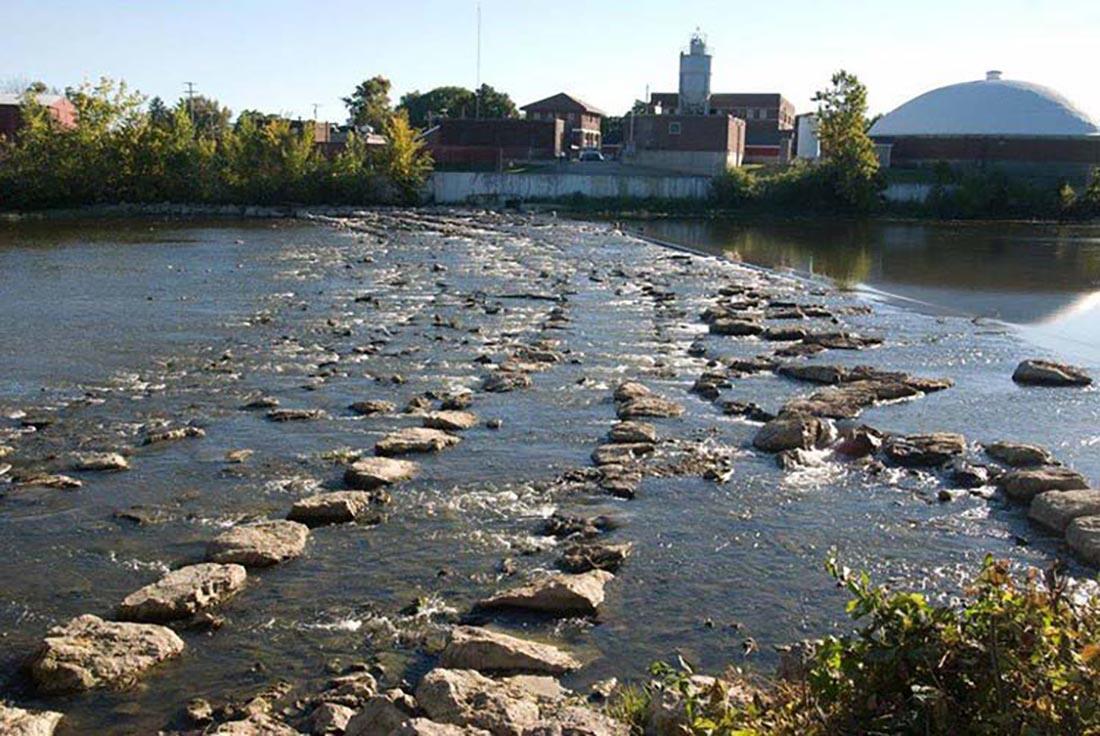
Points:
(1019, 455)
(415, 439)
(1024, 484)
(18, 722)
(183, 593)
(260, 544)
(371, 407)
(735, 327)
(338, 507)
(556, 594)
(632, 431)
(1049, 373)
(925, 450)
(1056, 509)
(467, 698)
(628, 390)
(649, 406)
(89, 461)
(375, 472)
(475, 648)
(89, 652)
(454, 421)
(620, 453)
(1083, 537)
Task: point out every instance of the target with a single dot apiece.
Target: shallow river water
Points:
(111, 330)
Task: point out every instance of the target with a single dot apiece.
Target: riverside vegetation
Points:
(119, 151)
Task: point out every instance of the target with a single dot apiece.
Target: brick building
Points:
(491, 142)
(11, 115)
(688, 144)
(581, 120)
(769, 120)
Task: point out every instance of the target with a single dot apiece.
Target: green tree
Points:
(159, 114)
(405, 160)
(209, 117)
(369, 104)
(450, 102)
(492, 103)
(613, 127)
(846, 148)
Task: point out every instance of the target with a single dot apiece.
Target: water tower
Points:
(695, 77)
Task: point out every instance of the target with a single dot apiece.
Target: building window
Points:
(674, 129)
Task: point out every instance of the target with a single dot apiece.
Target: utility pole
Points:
(190, 100)
(315, 106)
(477, 87)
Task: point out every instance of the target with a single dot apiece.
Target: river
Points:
(111, 329)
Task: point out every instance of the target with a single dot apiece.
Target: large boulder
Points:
(18, 722)
(414, 439)
(89, 652)
(382, 714)
(467, 698)
(1083, 537)
(1019, 455)
(1056, 509)
(330, 718)
(632, 431)
(1025, 484)
(1049, 373)
(475, 648)
(793, 431)
(924, 450)
(454, 421)
(337, 507)
(260, 544)
(556, 594)
(374, 472)
(184, 592)
(648, 406)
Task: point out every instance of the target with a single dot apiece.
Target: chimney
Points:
(993, 75)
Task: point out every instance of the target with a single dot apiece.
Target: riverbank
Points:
(312, 344)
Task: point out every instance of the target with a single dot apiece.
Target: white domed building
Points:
(995, 122)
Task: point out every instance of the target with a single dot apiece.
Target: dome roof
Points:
(992, 106)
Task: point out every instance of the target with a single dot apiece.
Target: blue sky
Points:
(284, 56)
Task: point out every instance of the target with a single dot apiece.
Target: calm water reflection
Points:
(1045, 279)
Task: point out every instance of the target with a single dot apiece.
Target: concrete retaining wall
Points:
(454, 187)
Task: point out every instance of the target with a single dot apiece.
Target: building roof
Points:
(992, 106)
(16, 98)
(724, 100)
(564, 102)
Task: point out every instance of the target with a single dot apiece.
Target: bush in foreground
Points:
(1014, 657)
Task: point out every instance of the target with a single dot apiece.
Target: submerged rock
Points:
(18, 722)
(924, 450)
(1049, 373)
(1023, 485)
(259, 544)
(374, 472)
(584, 556)
(295, 415)
(556, 594)
(89, 652)
(48, 480)
(369, 407)
(475, 648)
(337, 507)
(173, 435)
(182, 593)
(503, 382)
(620, 453)
(1056, 509)
(415, 439)
(1019, 455)
(735, 327)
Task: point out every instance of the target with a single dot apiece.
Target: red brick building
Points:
(492, 142)
(769, 120)
(689, 144)
(11, 115)
(581, 120)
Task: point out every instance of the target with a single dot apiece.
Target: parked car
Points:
(590, 154)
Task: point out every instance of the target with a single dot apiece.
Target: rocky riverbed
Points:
(371, 473)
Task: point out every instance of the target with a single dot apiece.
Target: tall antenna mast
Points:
(190, 101)
(477, 87)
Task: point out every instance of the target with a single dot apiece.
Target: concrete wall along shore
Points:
(453, 187)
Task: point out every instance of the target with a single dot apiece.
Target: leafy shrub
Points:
(1015, 657)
